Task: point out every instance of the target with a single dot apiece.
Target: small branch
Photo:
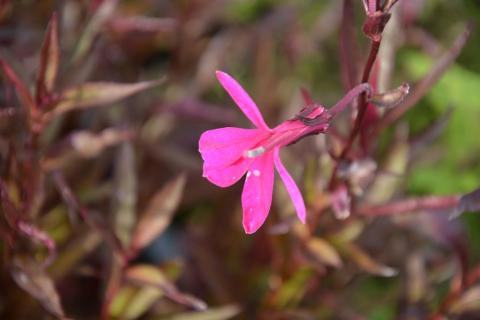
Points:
(32, 232)
(433, 203)
(348, 46)
(362, 104)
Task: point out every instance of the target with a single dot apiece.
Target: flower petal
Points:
(242, 99)
(291, 186)
(226, 176)
(222, 147)
(257, 192)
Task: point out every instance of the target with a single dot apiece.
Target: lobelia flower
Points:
(230, 153)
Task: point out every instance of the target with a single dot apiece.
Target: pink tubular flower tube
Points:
(230, 153)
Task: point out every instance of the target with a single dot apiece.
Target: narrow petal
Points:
(221, 147)
(257, 192)
(242, 99)
(226, 176)
(291, 186)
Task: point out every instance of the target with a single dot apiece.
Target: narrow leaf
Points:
(468, 202)
(221, 313)
(468, 302)
(324, 252)
(124, 199)
(20, 87)
(49, 61)
(158, 213)
(151, 276)
(95, 94)
(83, 144)
(132, 302)
(367, 263)
(34, 280)
(103, 14)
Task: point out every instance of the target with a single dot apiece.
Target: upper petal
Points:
(221, 147)
(257, 192)
(242, 99)
(291, 186)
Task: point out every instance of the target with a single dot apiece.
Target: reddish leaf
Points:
(98, 94)
(470, 201)
(20, 87)
(159, 212)
(34, 280)
(468, 302)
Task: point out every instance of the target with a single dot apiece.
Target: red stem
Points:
(362, 107)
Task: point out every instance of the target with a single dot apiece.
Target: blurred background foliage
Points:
(109, 192)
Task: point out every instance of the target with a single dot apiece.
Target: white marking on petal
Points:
(256, 173)
(249, 173)
(254, 152)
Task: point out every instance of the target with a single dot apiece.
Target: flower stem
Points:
(361, 89)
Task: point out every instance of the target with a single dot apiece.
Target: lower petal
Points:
(257, 192)
(291, 186)
(226, 176)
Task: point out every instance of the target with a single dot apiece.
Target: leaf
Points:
(104, 12)
(294, 288)
(468, 202)
(349, 232)
(34, 280)
(364, 261)
(49, 61)
(145, 273)
(131, 302)
(125, 193)
(95, 94)
(76, 250)
(158, 213)
(84, 144)
(221, 313)
(324, 252)
(151, 276)
(468, 302)
(20, 87)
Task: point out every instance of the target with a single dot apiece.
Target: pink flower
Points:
(230, 153)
